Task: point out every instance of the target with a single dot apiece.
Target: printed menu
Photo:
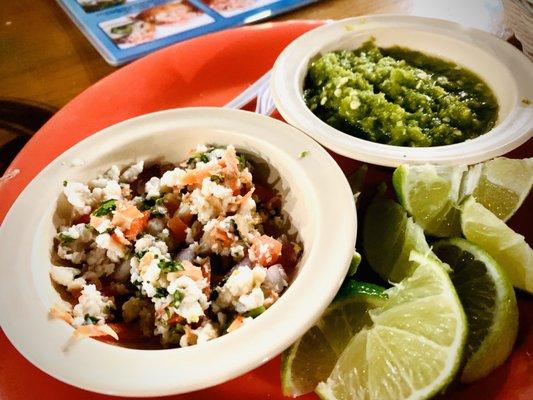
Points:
(123, 30)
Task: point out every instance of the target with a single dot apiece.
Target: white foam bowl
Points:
(316, 196)
(505, 69)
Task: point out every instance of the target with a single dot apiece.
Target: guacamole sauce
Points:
(398, 96)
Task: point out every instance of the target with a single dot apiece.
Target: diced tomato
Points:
(186, 218)
(175, 319)
(177, 228)
(137, 226)
(115, 237)
(265, 250)
(82, 219)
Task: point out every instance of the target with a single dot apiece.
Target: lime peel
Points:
(489, 302)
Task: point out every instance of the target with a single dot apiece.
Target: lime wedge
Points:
(414, 347)
(507, 247)
(388, 238)
(430, 193)
(501, 185)
(312, 357)
(489, 302)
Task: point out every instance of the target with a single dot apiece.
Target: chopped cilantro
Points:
(256, 311)
(303, 154)
(242, 161)
(155, 210)
(65, 183)
(152, 205)
(217, 178)
(178, 328)
(91, 320)
(170, 266)
(146, 204)
(160, 292)
(105, 208)
(195, 157)
(140, 254)
(233, 224)
(65, 238)
(177, 297)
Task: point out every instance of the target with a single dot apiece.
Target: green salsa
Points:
(398, 96)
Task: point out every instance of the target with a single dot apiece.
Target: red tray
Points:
(208, 71)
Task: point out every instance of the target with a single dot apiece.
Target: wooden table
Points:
(46, 59)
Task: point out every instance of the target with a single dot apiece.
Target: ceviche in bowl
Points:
(164, 255)
(174, 251)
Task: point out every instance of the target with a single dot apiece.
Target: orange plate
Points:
(207, 71)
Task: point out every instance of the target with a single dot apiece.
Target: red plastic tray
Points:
(209, 71)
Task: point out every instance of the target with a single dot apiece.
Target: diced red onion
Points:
(276, 278)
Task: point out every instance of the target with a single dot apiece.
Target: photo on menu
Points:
(229, 8)
(154, 23)
(97, 5)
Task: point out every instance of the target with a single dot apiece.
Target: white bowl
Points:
(316, 196)
(507, 71)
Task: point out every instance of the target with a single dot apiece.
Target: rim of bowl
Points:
(97, 366)
(290, 67)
